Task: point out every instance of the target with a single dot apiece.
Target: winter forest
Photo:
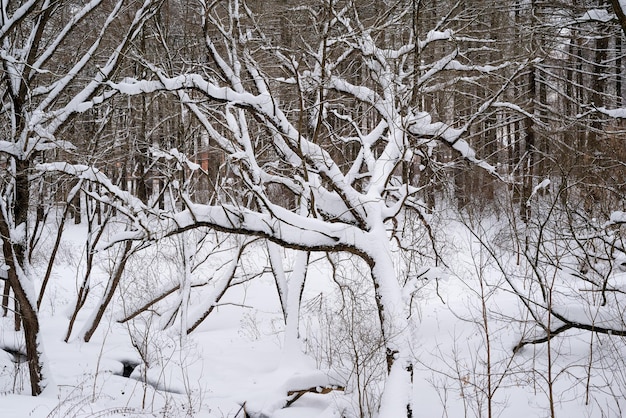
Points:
(313, 208)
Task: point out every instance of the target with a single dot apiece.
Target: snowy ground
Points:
(237, 356)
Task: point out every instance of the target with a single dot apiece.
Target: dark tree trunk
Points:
(114, 281)
(27, 311)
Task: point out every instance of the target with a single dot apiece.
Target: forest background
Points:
(359, 167)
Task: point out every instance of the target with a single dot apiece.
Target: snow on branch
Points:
(421, 125)
(617, 217)
(84, 99)
(10, 148)
(264, 106)
(280, 225)
(619, 113)
(122, 200)
(543, 186)
(457, 66)
(174, 154)
(436, 35)
(596, 15)
(520, 110)
(17, 17)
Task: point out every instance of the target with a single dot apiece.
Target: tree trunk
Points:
(395, 327)
(114, 281)
(528, 165)
(295, 286)
(621, 16)
(22, 288)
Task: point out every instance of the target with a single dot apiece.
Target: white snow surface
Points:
(238, 356)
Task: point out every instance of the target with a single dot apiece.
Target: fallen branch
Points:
(317, 389)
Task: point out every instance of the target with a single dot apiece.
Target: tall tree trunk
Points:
(528, 165)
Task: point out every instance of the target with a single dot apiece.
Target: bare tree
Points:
(50, 72)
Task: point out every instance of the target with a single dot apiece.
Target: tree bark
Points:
(621, 16)
(27, 310)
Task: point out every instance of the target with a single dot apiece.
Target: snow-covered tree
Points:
(326, 142)
(55, 57)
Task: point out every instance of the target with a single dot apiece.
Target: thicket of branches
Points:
(322, 127)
